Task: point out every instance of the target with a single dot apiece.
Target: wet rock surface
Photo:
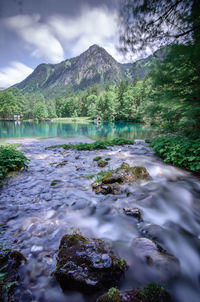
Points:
(150, 293)
(87, 264)
(153, 231)
(152, 254)
(135, 212)
(10, 263)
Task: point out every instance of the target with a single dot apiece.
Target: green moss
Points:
(89, 176)
(97, 158)
(61, 164)
(138, 171)
(155, 292)
(113, 295)
(74, 238)
(124, 166)
(102, 163)
(96, 145)
(107, 158)
(54, 182)
(103, 175)
(122, 263)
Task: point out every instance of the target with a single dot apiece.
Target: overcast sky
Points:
(49, 31)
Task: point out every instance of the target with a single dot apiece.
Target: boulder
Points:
(111, 180)
(10, 262)
(87, 265)
(147, 251)
(152, 292)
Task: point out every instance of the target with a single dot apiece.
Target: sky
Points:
(50, 31)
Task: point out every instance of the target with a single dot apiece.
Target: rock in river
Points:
(87, 264)
(152, 292)
(111, 180)
(10, 262)
(166, 265)
(135, 212)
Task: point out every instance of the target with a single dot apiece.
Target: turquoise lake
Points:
(9, 129)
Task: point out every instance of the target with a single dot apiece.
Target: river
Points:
(35, 215)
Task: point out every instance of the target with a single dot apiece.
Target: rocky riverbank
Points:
(146, 224)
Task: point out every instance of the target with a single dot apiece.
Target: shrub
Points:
(11, 159)
(181, 151)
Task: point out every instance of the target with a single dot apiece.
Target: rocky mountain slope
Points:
(93, 66)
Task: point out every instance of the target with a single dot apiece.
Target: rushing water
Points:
(36, 215)
(72, 129)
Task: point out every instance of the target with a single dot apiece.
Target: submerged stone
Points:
(152, 292)
(87, 265)
(154, 232)
(147, 251)
(102, 163)
(55, 182)
(97, 158)
(135, 212)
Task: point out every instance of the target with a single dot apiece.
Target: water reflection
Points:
(109, 130)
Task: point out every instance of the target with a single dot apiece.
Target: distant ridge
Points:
(95, 65)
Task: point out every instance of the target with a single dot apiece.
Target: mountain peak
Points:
(94, 46)
(93, 66)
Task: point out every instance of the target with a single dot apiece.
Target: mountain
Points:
(93, 66)
(141, 67)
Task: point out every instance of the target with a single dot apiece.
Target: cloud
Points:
(37, 34)
(91, 26)
(47, 39)
(13, 74)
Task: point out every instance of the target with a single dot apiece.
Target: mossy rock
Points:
(55, 182)
(133, 173)
(107, 158)
(10, 262)
(97, 158)
(113, 295)
(87, 265)
(109, 182)
(89, 176)
(102, 163)
(134, 212)
(152, 292)
(61, 164)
